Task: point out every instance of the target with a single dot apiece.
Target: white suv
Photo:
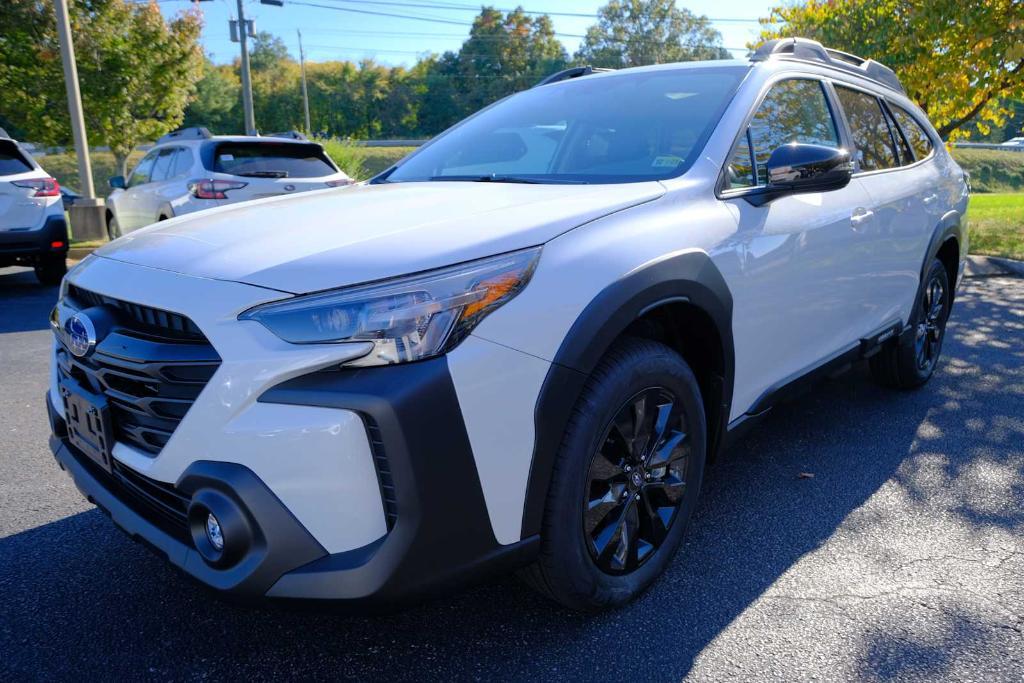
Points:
(33, 231)
(191, 170)
(521, 346)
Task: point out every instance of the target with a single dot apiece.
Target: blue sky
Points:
(335, 34)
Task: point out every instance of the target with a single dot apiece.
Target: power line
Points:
(381, 14)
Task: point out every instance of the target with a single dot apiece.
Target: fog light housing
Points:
(214, 533)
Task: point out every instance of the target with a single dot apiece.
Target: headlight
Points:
(408, 318)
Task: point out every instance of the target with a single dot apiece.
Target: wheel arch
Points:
(945, 245)
(681, 300)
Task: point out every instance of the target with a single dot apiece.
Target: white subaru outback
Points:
(191, 170)
(520, 347)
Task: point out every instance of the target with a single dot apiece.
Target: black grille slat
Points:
(151, 367)
(384, 478)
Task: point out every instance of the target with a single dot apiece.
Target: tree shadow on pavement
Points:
(80, 598)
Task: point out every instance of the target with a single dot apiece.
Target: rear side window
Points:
(162, 167)
(12, 161)
(271, 160)
(182, 162)
(794, 110)
(918, 139)
(870, 130)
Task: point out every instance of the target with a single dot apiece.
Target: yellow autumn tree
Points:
(958, 60)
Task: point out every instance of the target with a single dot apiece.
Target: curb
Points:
(988, 266)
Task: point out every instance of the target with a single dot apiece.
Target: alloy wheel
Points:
(928, 338)
(636, 481)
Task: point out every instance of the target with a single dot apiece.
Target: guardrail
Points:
(989, 145)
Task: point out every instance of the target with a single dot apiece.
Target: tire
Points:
(601, 543)
(50, 270)
(113, 227)
(909, 365)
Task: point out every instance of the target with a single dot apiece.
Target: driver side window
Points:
(795, 110)
(142, 172)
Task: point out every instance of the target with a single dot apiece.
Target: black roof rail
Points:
(571, 72)
(809, 50)
(289, 134)
(192, 133)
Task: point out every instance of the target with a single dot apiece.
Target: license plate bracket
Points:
(88, 420)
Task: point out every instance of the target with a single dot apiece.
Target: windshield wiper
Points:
(495, 178)
(263, 174)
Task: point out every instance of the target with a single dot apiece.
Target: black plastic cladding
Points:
(690, 277)
(442, 532)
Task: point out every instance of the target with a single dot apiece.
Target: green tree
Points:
(640, 32)
(217, 102)
(136, 70)
(960, 61)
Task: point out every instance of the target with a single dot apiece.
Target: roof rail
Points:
(809, 50)
(572, 72)
(193, 133)
(289, 134)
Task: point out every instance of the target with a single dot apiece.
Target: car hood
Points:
(337, 237)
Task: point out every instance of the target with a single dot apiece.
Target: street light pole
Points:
(250, 118)
(305, 93)
(67, 56)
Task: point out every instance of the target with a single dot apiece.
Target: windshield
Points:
(609, 129)
(271, 160)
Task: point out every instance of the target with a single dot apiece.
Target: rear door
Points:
(793, 262)
(896, 232)
(18, 210)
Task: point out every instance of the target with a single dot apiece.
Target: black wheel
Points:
(910, 364)
(113, 227)
(626, 479)
(51, 269)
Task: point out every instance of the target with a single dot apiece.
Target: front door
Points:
(793, 262)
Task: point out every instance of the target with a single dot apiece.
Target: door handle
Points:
(930, 198)
(860, 218)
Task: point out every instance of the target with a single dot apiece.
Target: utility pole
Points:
(250, 117)
(67, 56)
(305, 93)
(88, 217)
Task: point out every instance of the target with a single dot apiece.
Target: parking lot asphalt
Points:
(902, 557)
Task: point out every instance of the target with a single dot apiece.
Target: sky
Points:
(358, 29)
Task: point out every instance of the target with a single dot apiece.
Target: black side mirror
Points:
(117, 182)
(799, 168)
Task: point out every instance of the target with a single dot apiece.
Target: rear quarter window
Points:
(12, 162)
(271, 160)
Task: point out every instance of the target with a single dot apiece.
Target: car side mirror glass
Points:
(117, 182)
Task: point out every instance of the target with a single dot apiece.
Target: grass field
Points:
(997, 224)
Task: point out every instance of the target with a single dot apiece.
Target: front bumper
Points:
(21, 245)
(439, 530)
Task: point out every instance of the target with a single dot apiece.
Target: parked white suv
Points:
(191, 170)
(517, 348)
(33, 231)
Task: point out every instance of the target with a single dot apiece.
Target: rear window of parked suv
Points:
(11, 160)
(270, 160)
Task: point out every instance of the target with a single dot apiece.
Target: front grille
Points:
(151, 366)
(155, 501)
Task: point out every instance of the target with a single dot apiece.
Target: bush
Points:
(347, 156)
(992, 170)
(64, 167)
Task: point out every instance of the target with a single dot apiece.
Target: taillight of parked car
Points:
(213, 189)
(44, 187)
(340, 183)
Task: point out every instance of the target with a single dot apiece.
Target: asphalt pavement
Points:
(901, 557)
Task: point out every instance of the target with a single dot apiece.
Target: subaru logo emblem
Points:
(80, 334)
(289, 188)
